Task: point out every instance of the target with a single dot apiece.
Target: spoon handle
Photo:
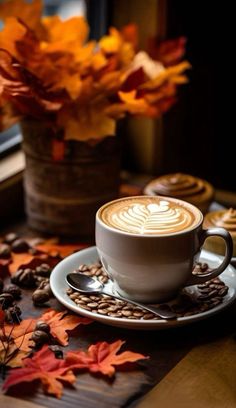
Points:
(164, 311)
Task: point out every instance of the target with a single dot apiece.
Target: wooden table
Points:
(169, 350)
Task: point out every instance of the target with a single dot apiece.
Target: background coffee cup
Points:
(154, 266)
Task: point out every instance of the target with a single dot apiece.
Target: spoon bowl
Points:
(88, 285)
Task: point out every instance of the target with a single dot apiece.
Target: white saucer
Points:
(90, 255)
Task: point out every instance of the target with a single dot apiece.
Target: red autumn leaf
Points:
(61, 322)
(44, 367)
(102, 357)
(62, 250)
(2, 316)
(169, 52)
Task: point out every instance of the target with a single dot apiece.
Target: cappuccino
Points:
(149, 244)
(146, 215)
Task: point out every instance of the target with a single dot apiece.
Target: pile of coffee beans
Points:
(35, 278)
(205, 297)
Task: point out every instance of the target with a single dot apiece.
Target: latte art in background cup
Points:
(149, 216)
(149, 245)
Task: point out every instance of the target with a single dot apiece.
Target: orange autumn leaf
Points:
(18, 260)
(10, 356)
(45, 367)
(63, 250)
(11, 33)
(21, 333)
(28, 12)
(102, 357)
(61, 322)
(27, 260)
(72, 83)
(133, 104)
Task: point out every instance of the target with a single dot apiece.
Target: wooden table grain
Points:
(166, 349)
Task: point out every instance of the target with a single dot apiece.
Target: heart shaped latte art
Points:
(148, 216)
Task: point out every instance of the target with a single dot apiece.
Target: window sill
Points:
(11, 186)
(11, 166)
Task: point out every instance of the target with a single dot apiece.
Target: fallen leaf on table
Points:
(102, 357)
(45, 367)
(17, 260)
(21, 333)
(27, 260)
(10, 355)
(61, 322)
(62, 250)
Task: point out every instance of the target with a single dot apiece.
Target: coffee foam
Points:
(149, 215)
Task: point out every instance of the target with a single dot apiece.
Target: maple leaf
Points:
(61, 322)
(10, 355)
(102, 357)
(21, 333)
(45, 367)
(29, 13)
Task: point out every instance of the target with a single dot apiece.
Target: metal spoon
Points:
(85, 284)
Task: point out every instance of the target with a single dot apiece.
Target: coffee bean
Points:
(85, 299)
(138, 314)
(103, 305)
(148, 316)
(5, 251)
(87, 273)
(14, 290)
(222, 292)
(10, 238)
(126, 313)
(19, 246)
(6, 300)
(86, 307)
(74, 296)
(83, 268)
(92, 305)
(205, 290)
(103, 311)
(95, 298)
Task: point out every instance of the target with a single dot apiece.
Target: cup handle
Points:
(222, 233)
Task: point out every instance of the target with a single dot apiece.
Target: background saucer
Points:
(90, 255)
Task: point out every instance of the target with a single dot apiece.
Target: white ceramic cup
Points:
(154, 267)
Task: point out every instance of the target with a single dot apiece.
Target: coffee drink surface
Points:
(149, 215)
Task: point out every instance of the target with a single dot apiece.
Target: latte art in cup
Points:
(149, 215)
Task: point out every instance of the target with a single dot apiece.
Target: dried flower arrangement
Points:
(49, 71)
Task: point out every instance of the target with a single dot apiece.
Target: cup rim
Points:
(172, 234)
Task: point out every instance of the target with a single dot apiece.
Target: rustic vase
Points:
(62, 197)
